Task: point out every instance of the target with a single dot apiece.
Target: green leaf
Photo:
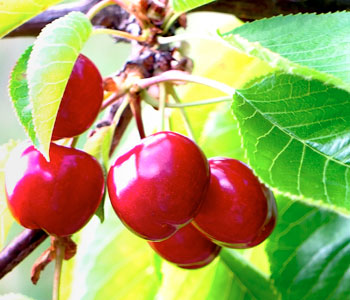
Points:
(296, 136)
(18, 90)
(309, 45)
(181, 6)
(49, 67)
(230, 277)
(98, 145)
(220, 136)
(6, 219)
(309, 252)
(113, 263)
(256, 284)
(15, 13)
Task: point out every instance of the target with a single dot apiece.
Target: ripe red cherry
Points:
(81, 101)
(239, 211)
(187, 248)
(158, 186)
(59, 196)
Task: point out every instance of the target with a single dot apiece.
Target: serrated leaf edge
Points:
(44, 149)
(9, 92)
(275, 60)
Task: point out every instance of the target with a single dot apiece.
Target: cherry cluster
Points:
(164, 189)
(187, 207)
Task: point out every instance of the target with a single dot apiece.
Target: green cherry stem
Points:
(184, 115)
(98, 7)
(120, 34)
(58, 268)
(175, 75)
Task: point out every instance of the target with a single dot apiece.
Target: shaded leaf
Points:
(98, 145)
(309, 252)
(310, 45)
(257, 285)
(18, 90)
(49, 67)
(15, 13)
(296, 136)
(181, 6)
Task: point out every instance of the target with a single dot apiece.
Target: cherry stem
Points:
(94, 10)
(110, 100)
(120, 34)
(162, 103)
(175, 75)
(184, 115)
(58, 268)
(135, 105)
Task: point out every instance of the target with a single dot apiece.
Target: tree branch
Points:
(112, 16)
(20, 248)
(248, 10)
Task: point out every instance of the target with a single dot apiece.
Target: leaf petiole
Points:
(181, 76)
(94, 10)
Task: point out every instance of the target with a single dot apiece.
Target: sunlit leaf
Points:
(310, 45)
(220, 136)
(309, 252)
(49, 67)
(181, 6)
(230, 277)
(296, 136)
(6, 219)
(227, 66)
(15, 13)
(112, 263)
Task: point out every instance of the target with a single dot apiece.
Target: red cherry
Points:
(158, 186)
(239, 211)
(59, 196)
(81, 101)
(187, 248)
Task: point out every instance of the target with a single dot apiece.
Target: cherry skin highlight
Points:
(81, 101)
(239, 211)
(59, 196)
(158, 186)
(187, 248)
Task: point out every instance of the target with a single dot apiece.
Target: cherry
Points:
(158, 186)
(239, 211)
(187, 248)
(59, 196)
(81, 101)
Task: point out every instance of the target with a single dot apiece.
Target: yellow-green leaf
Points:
(49, 67)
(15, 13)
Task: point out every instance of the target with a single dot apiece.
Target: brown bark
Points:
(19, 249)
